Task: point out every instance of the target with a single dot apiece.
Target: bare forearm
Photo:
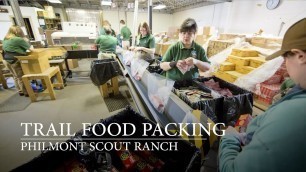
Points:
(148, 50)
(202, 66)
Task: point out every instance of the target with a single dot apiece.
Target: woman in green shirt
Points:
(184, 59)
(107, 44)
(145, 42)
(15, 44)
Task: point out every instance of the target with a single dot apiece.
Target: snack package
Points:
(127, 159)
(242, 123)
(152, 159)
(141, 164)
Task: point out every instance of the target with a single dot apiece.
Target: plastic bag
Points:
(138, 66)
(127, 57)
(259, 75)
(103, 70)
(159, 89)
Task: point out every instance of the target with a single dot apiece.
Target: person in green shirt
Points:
(106, 24)
(107, 44)
(184, 59)
(125, 35)
(275, 140)
(145, 42)
(15, 44)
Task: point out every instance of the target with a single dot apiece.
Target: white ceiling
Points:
(171, 5)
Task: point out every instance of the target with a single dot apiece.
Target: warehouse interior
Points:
(236, 35)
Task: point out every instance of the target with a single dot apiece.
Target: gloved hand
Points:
(239, 136)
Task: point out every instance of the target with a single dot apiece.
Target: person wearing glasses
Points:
(184, 59)
(275, 140)
(145, 43)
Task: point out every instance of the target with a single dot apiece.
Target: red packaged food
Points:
(127, 159)
(151, 159)
(141, 164)
(243, 122)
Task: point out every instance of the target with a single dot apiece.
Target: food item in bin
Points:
(142, 165)
(151, 159)
(193, 94)
(157, 102)
(127, 159)
(216, 87)
(114, 169)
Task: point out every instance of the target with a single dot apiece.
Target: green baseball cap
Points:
(295, 38)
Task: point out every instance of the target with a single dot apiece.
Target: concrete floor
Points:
(79, 102)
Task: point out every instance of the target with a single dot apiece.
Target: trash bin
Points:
(232, 107)
(103, 70)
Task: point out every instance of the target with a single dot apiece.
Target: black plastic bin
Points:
(212, 108)
(186, 158)
(104, 70)
(232, 107)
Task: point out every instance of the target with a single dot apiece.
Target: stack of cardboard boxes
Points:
(266, 42)
(216, 46)
(240, 62)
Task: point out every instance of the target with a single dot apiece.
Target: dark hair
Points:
(189, 25)
(122, 21)
(107, 30)
(144, 25)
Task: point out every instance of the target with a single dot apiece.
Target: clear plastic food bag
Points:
(159, 90)
(138, 67)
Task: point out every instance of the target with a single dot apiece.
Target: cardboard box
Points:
(200, 39)
(227, 36)
(233, 75)
(244, 52)
(244, 69)
(158, 48)
(238, 60)
(269, 90)
(164, 48)
(227, 66)
(35, 62)
(208, 30)
(256, 62)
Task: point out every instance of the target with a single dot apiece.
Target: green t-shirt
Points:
(147, 41)
(177, 52)
(125, 33)
(16, 45)
(102, 31)
(107, 43)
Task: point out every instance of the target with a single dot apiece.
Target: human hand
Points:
(181, 64)
(131, 48)
(240, 136)
(190, 61)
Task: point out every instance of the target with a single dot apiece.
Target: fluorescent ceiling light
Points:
(55, 1)
(159, 7)
(105, 2)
